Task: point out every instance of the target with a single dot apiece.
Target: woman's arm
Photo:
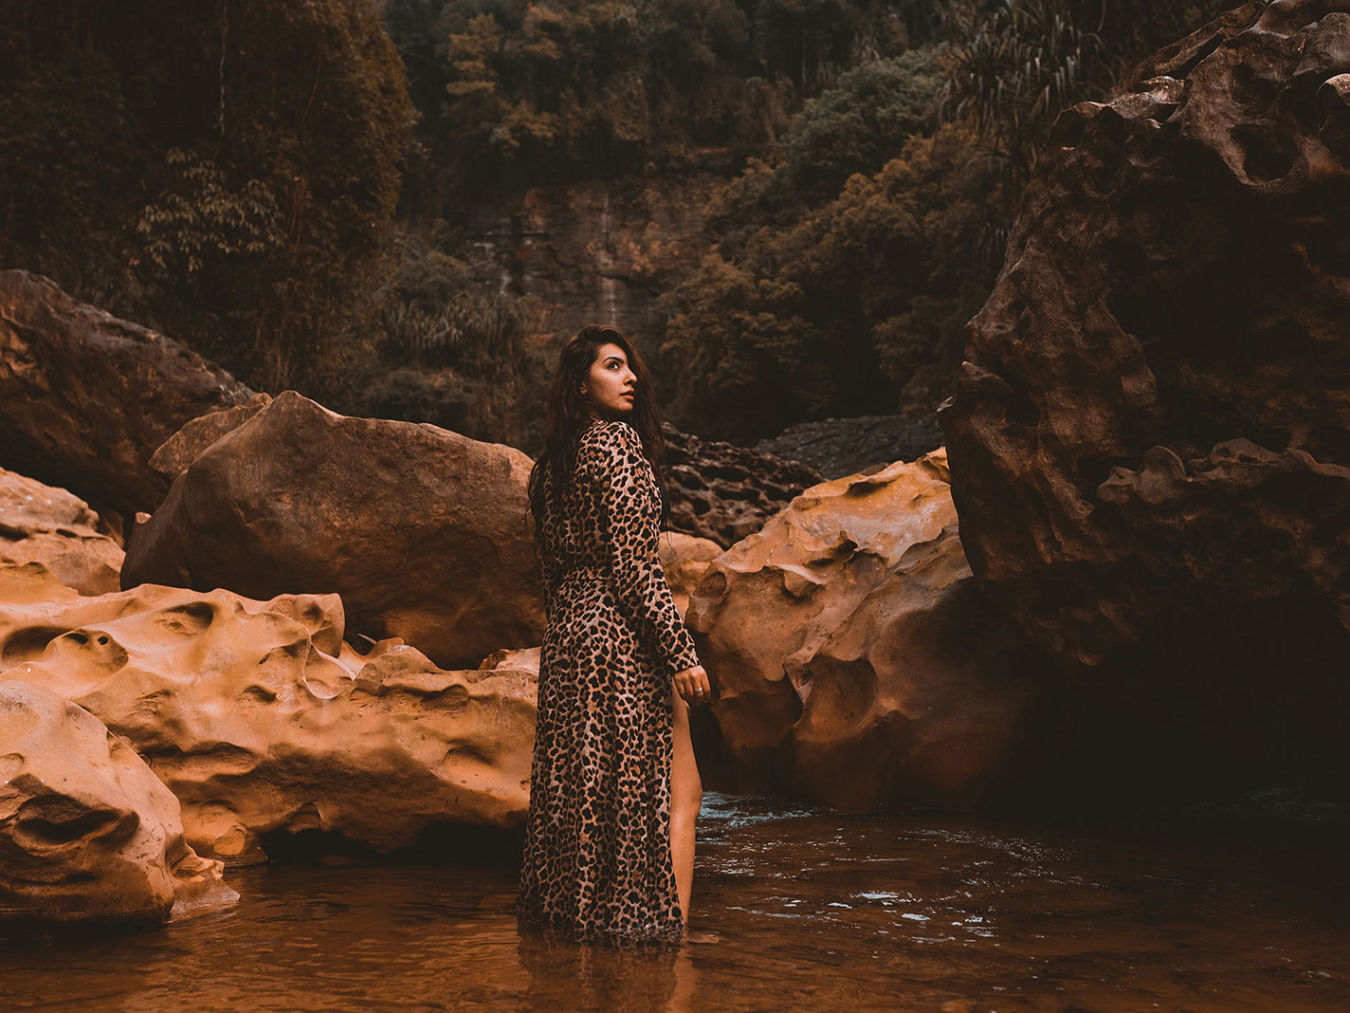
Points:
(632, 527)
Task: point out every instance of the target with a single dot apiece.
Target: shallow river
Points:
(1206, 909)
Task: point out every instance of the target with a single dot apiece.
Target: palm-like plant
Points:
(1016, 71)
(1025, 61)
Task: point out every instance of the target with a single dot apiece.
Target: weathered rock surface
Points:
(723, 492)
(422, 531)
(85, 398)
(40, 523)
(853, 658)
(685, 560)
(87, 832)
(1157, 402)
(1150, 443)
(526, 659)
(259, 718)
(864, 443)
(183, 447)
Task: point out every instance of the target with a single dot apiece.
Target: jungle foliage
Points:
(279, 184)
(226, 172)
(846, 261)
(516, 93)
(448, 350)
(839, 271)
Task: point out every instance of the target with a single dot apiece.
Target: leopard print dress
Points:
(597, 861)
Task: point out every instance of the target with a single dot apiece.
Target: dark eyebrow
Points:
(614, 358)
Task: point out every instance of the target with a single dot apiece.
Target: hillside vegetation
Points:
(282, 185)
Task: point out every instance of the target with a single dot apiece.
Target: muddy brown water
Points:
(1206, 909)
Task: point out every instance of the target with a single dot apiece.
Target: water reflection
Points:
(565, 975)
(1208, 911)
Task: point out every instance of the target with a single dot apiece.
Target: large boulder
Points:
(854, 661)
(87, 832)
(423, 532)
(1150, 442)
(40, 523)
(85, 398)
(260, 719)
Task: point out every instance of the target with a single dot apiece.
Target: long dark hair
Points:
(567, 417)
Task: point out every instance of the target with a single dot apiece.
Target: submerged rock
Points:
(853, 659)
(40, 523)
(422, 531)
(260, 719)
(85, 397)
(87, 832)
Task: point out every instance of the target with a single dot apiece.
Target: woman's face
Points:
(611, 386)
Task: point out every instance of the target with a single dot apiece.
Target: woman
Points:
(614, 790)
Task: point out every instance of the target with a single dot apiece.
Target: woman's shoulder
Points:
(610, 432)
(609, 438)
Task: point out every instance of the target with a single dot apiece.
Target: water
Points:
(1201, 910)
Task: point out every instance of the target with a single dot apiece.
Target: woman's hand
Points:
(692, 684)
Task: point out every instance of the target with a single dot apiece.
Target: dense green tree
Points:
(450, 351)
(516, 93)
(856, 126)
(856, 307)
(860, 123)
(225, 172)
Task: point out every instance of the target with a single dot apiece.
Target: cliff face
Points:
(593, 251)
(1150, 441)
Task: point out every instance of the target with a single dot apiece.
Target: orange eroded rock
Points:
(524, 660)
(259, 718)
(854, 661)
(86, 829)
(685, 559)
(44, 524)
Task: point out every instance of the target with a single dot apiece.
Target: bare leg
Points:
(686, 797)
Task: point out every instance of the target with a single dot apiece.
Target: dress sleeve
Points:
(632, 526)
(551, 572)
